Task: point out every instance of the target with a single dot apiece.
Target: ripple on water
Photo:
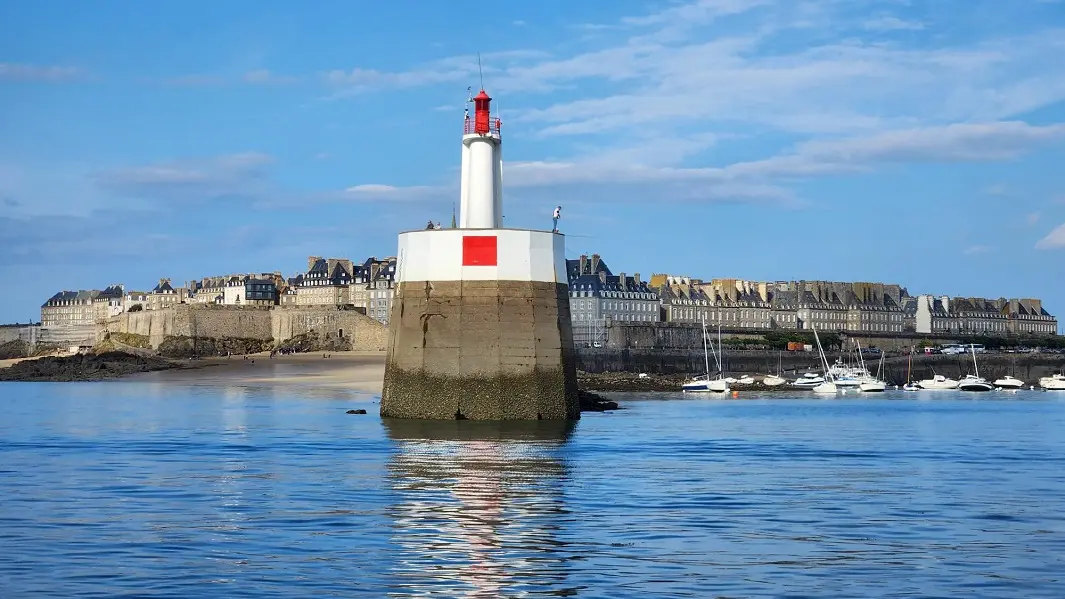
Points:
(129, 489)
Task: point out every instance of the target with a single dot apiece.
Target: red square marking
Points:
(479, 250)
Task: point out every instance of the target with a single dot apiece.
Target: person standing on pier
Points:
(557, 214)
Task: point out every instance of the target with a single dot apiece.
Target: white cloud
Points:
(218, 174)
(890, 23)
(28, 72)
(374, 191)
(1054, 240)
(266, 77)
(976, 250)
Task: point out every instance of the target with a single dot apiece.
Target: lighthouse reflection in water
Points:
(478, 506)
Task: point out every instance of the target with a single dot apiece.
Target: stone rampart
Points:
(365, 333)
(247, 322)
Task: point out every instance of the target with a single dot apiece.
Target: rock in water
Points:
(359, 411)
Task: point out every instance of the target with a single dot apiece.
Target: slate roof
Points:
(163, 287)
(599, 288)
(71, 296)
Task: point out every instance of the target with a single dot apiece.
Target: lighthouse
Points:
(480, 323)
(481, 184)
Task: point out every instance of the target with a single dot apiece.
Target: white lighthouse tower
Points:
(480, 325)
(481, 186)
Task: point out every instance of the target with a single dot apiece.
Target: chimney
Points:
(584, 265)
(602, 276)
(595, 262)
(621, 279)
(636, 278)
(311, 260)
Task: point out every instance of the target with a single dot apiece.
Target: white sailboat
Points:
(910, 385)
(775, 380)
(704, 382)
(873, 384)
(828, 386)
(974, 382)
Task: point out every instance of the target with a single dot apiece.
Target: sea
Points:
(146, 489)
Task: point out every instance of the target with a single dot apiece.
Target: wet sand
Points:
(354, 370)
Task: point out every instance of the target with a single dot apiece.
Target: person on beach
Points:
(557, 214)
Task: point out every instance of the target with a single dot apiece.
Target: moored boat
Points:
(974, 382)
(1008, 382)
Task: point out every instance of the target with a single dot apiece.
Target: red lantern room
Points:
(481, 105)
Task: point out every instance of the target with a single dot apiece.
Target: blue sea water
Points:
(164, 490)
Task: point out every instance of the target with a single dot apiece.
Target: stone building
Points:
(379, 278)
(681, 299)
(69, 308)
(250, 290)
(136, 298)
(164, 295)
(208, 290)
(739, 304)
(1027, 316)
(597, 294)
(287, 295)
(981, 316)
(109, 302)
(326, 283)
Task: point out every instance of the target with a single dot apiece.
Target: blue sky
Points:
(920, 143)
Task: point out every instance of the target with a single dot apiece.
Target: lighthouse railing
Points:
(470, 126)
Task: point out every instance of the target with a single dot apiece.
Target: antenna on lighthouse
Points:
(480, 74)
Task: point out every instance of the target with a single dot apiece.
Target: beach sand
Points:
(354, 370)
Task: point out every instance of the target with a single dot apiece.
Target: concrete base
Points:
(480, 350)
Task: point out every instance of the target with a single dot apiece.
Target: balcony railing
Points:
(470, 126)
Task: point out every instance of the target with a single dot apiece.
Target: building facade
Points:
(598, 295)
(69, 308)
(326, 283)
(981, 316)
(165, 295)
(110, 302)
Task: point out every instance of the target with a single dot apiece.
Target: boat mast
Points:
(909, 364)
(972, 346)
(720, 351)
(706, 358)
(821, 352)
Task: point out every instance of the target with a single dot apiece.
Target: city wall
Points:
(366, 334)
(1028, 367)
(247, 322)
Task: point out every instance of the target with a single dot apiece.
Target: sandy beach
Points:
(353, 370)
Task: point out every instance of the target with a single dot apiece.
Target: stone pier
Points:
(464, 344)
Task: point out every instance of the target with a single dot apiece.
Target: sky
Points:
(912, 142)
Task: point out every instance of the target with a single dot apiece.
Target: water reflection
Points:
(478, 507)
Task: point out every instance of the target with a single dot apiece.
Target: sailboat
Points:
(910, 385)
(974, 382)
(828, 386)
(704, 382)
(873, 384)
(775, 380)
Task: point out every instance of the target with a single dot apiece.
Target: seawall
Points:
(1028, 367)
(267, 324)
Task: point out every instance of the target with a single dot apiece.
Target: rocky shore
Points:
(85, 367)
